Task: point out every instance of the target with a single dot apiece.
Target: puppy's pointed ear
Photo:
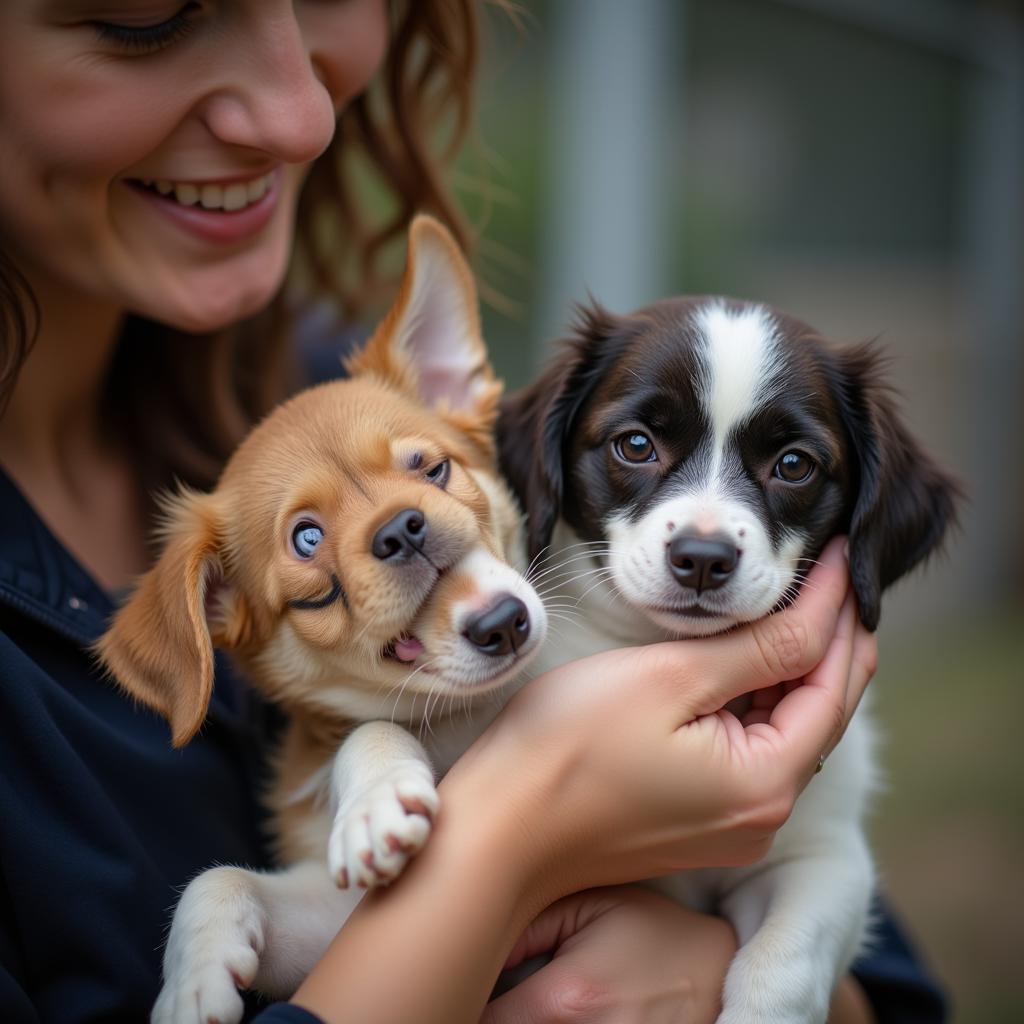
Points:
(159, 647)
(535, 422)
(429, 344)
(904, 503)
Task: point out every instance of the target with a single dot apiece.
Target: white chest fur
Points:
(800, 913)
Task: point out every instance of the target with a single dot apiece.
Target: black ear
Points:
(903, 502)
(535, 422)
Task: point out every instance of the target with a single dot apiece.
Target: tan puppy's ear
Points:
(429, 344)
(159, 647)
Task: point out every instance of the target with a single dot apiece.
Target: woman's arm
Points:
(613, 768)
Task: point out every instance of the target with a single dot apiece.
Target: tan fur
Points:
(392, 365)
(351, 454)
(309, 743)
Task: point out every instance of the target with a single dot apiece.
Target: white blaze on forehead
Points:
(742, 360)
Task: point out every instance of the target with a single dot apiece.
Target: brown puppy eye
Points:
(635, 447)
(794, 467)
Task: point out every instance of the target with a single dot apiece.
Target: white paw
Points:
(771, 989)
(213, 951)
(378, 829)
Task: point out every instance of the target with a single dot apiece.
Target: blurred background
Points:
(859, 163)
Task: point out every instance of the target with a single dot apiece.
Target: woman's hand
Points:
(622, 955)
(613, 768)
(627, 955)
(625, 765)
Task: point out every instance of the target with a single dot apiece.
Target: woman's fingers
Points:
(813, 716)
(621, 954)
(554, 925)
(779, 647)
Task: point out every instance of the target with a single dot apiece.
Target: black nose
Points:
(402, 536)
(500, 629)
(702, 563)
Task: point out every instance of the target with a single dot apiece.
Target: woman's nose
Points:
(275, 100)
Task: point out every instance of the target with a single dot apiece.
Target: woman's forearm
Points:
(430, 948)
(577, 784)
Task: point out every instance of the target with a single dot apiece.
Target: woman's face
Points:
(152, 151)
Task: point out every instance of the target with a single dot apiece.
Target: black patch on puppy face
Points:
(643, 374)
(650, 388)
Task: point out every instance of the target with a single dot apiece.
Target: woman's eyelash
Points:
(147, 38)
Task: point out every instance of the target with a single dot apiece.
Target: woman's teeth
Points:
(214, 197)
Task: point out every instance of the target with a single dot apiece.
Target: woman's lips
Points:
(214, 211)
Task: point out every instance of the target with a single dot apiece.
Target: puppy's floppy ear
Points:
(429, 345)
(903, 502)
(535, 422)
(159, 647)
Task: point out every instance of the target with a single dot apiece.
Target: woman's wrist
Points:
(463, 901)
(506, 801)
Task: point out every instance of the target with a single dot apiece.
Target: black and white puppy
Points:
(685, 465)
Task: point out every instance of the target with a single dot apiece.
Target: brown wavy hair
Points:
(183, 401)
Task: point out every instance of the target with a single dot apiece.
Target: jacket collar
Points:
(40, 578)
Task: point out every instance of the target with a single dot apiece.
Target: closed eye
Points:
(148, 38)
(440, 474)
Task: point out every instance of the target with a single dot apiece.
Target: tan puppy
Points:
(355, 560)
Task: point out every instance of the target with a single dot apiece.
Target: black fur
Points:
(877, 485)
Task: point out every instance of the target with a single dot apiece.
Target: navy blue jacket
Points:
(102, 823)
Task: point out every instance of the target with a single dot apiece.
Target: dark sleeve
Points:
(17, 1007)
(286, 1013)
(898, 986)
(15, 1002)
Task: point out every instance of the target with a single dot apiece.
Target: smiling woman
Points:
(99, 99)
(155, 157)
(164, 165)
(164, 162)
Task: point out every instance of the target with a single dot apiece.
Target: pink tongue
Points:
(407, 648)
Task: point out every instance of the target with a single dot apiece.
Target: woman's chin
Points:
(203, 310)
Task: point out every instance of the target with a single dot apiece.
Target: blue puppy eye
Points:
(305, 538)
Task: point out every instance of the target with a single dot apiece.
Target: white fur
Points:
(741, 368)
(267, 929)
(640, 568)
(226, 922)
(801, 913)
